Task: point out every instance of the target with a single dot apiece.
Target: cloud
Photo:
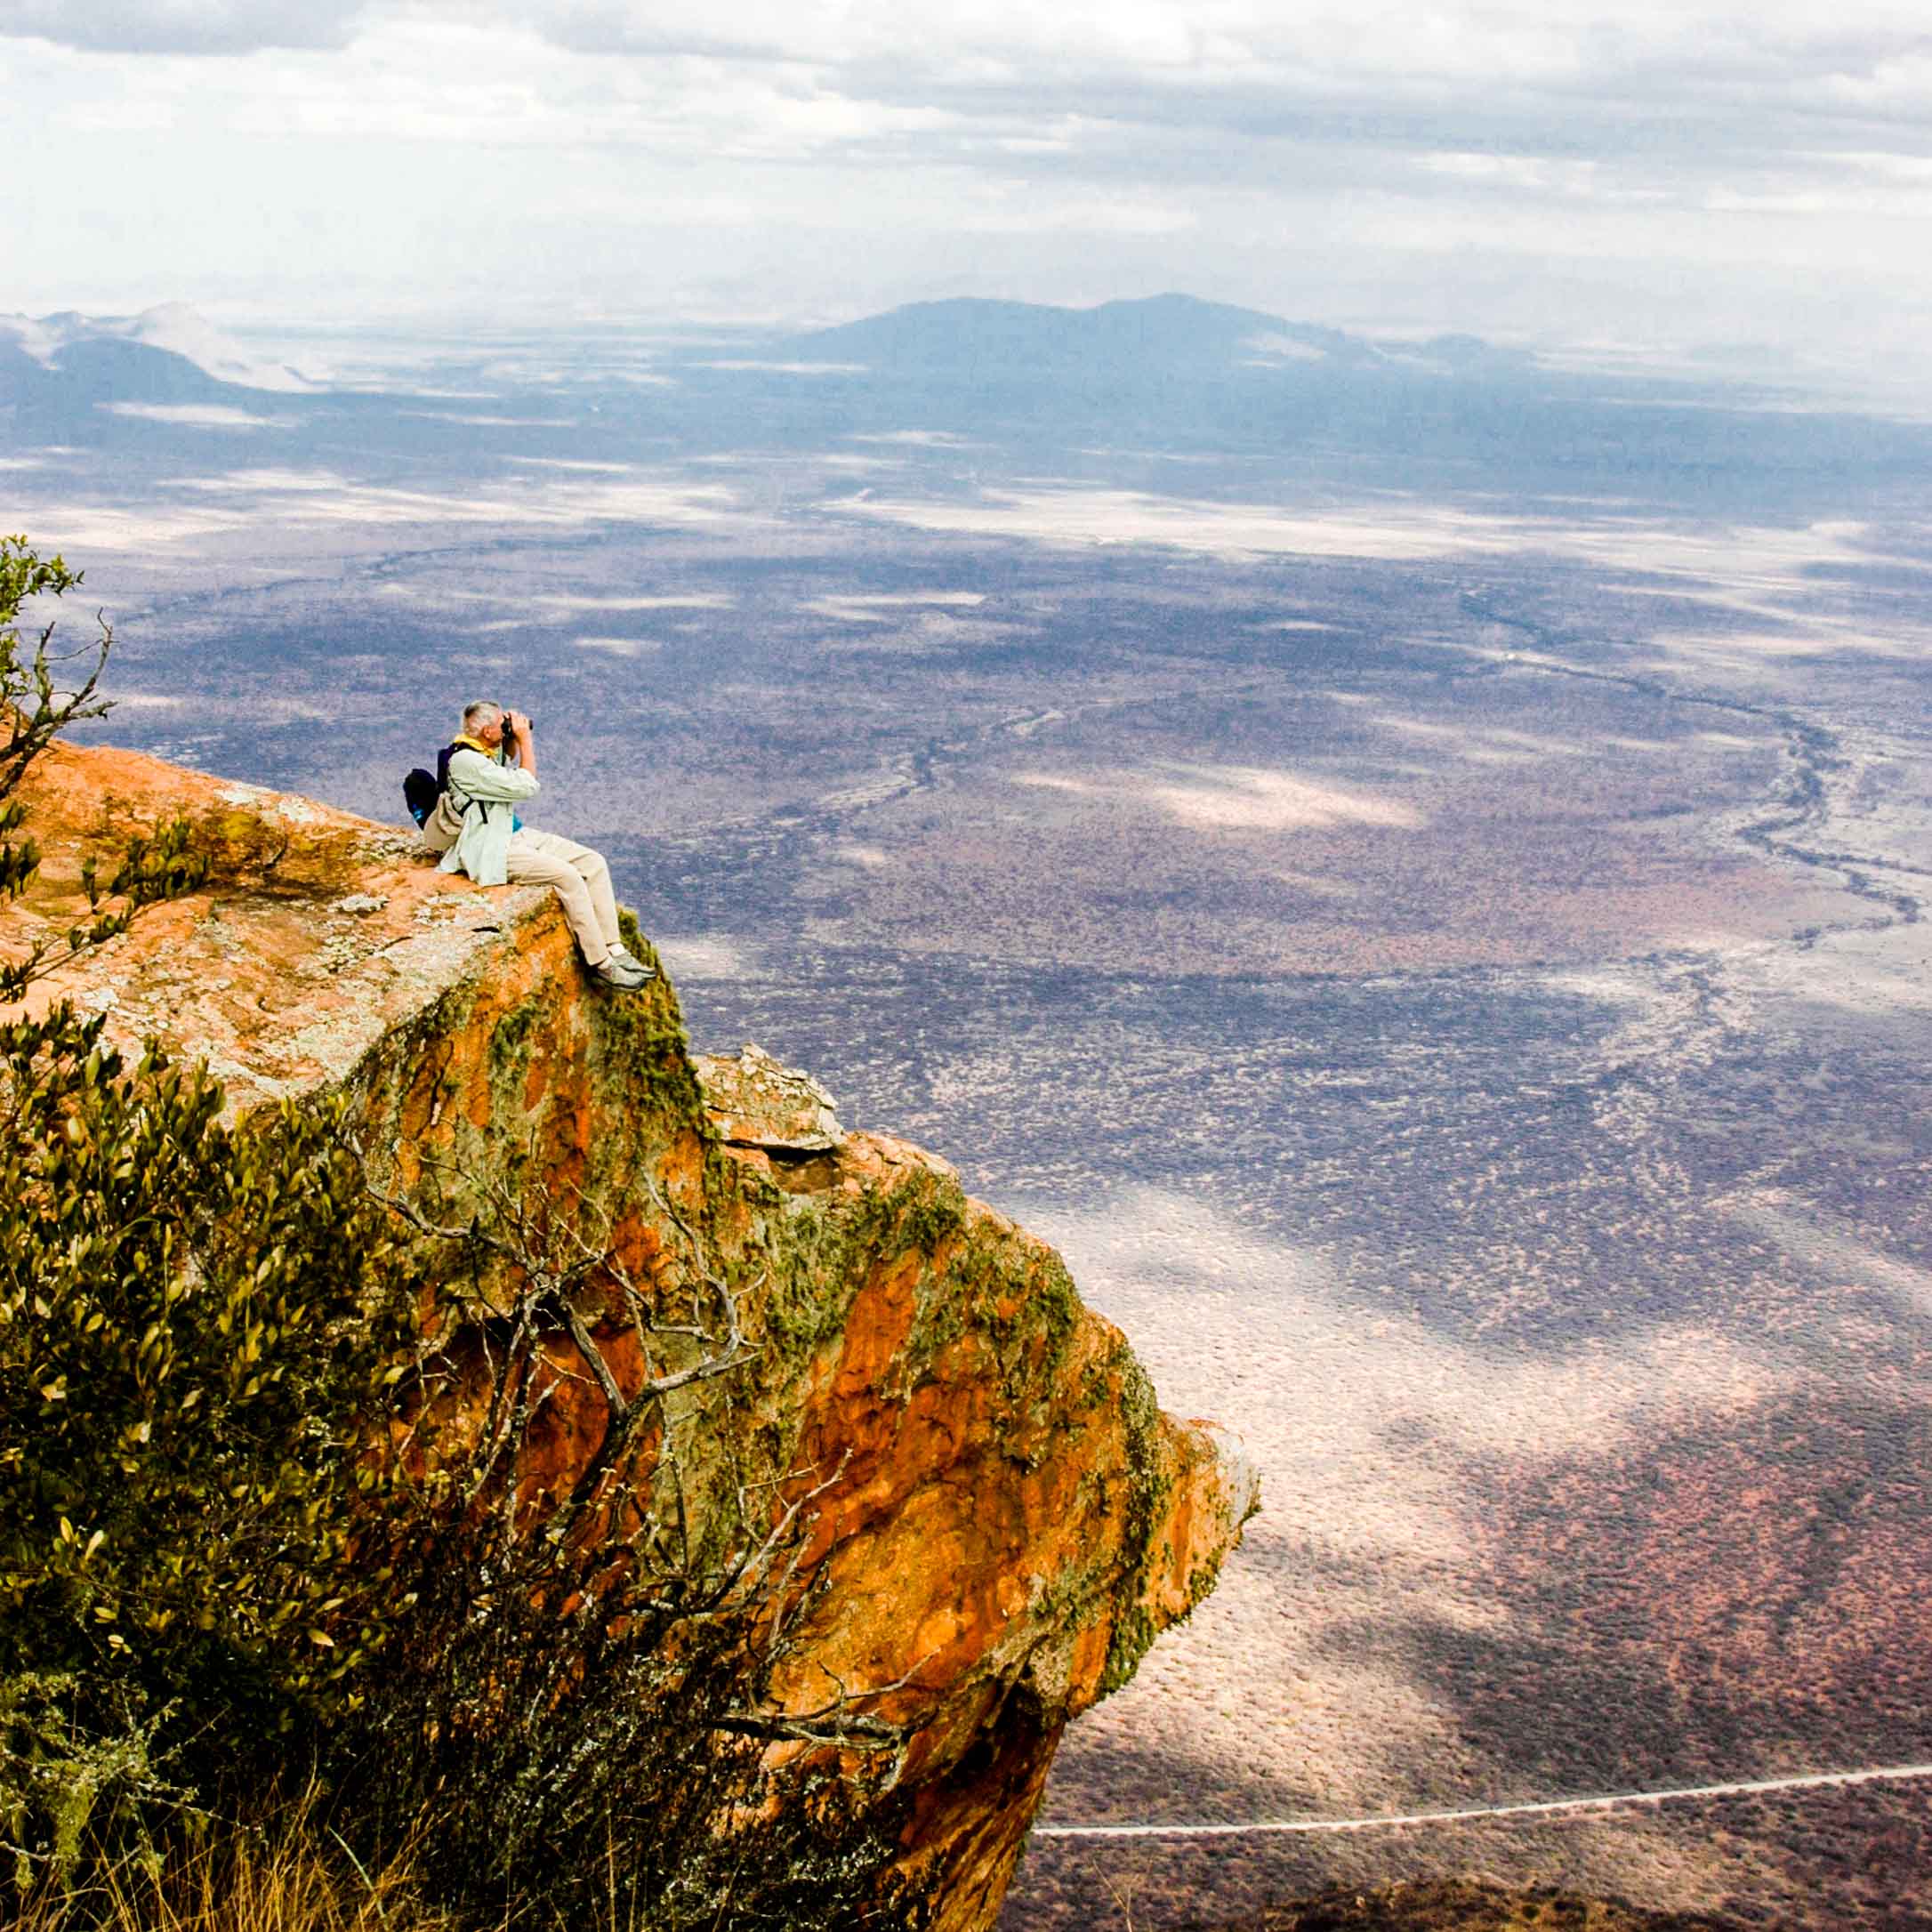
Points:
(202, 27)
(234, 501)
(1754, 566)
(555, 463)
(705, 956)
(570, 604)
(1508, 166)
(785, 368)
(269, 481)
(1073, 515)
(1501, 86)
(1235, 798)
(508, 422)
(174, 327)
(1511, 94)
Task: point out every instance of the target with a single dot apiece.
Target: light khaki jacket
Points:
(477, 814)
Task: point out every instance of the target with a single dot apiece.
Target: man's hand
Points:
(518, 734)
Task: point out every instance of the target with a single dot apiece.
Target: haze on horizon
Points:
(1638, 181)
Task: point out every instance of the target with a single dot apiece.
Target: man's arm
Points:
(477, 776)
(522, 738)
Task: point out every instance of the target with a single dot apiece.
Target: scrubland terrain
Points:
(1454, 1905)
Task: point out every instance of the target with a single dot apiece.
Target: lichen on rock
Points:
(755, 1101)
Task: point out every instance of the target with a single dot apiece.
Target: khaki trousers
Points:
(581, 881)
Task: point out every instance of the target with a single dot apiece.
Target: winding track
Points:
(1892, 1774)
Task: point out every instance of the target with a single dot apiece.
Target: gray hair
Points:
(479, 713)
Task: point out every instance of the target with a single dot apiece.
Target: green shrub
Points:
(35, 706)
(194, 1322)
(240, 1553)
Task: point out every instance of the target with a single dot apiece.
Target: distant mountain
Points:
(1172, 332)
(132, 380)
(172, 326)
(98, 389)
(1172, 373)
(1077, 392)
(1160, 335)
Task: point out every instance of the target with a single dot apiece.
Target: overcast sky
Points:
(1652, 174)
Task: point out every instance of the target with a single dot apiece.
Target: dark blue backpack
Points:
(422, 789)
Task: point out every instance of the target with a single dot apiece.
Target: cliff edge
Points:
(1004, 1519)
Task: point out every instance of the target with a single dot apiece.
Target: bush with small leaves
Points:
(195, 1321)
(39, 698)
(238, 1549)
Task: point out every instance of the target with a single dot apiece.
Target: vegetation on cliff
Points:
(629, 1501)
(191, 1320)
(40, 697)
(249, 1543)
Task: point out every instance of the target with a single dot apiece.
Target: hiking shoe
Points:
(624, 974)
(625, 957)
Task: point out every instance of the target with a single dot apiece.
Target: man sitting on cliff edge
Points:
(492, 768)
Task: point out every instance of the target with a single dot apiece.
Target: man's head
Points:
(483, 722)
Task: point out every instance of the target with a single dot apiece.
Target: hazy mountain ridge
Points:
(1083, 388)
(126, 380)
(173, 328)
(1174, 333)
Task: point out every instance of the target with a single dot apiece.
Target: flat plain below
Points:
(1449, 974)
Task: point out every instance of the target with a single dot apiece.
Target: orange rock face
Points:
(1007, 1521)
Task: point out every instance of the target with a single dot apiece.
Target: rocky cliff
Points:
(1005, 1519)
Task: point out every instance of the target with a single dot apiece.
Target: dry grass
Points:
(291, 1876)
